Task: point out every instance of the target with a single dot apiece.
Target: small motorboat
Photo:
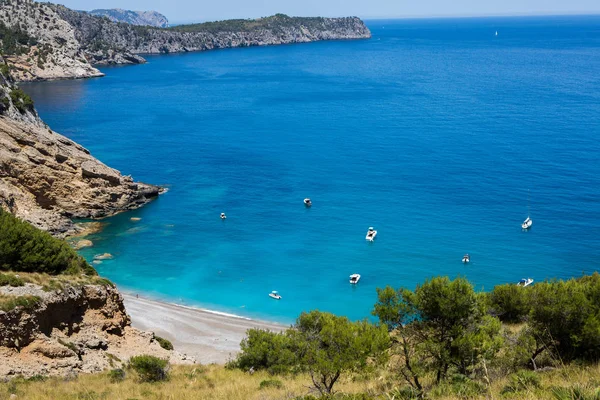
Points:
(307, 202)
(466, 259)
(223, 216)
(275, 295)
(354, 278)
(527, 223)
(371, 233)
(525, 282)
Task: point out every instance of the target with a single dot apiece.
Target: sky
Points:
(180, 11)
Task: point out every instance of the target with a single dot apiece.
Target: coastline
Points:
(208, 336)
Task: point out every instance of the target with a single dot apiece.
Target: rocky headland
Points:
(47, 179)
(46, 41)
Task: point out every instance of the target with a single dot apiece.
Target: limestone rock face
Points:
(56, 53)
(70, 331)
(47, 179)
(142, 18)
(279, 29)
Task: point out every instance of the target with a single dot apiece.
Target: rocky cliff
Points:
(72, 330)
(50, 49)
(62, 43)
(47, 179)
(142, 18)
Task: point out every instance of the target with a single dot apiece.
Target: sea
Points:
(439, 133)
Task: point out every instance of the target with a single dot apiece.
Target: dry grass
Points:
(58, 282)
(191, 382)
(217, 383)
(8, 302)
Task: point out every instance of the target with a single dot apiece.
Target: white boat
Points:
(496, 33)
(354, 278)
(223, 216)
(525, 282)
(275, 295)
(307, 202)
(466, 259)
(371, 233)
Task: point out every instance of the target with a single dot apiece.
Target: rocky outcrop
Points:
(52, 51)
(74, 330)
(142, 18)
(64, 43)
(47, 179)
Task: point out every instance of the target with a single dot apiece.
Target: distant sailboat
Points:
(528, 222)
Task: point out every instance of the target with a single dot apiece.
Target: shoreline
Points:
(211, 337)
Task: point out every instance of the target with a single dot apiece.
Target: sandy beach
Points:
(204, 335)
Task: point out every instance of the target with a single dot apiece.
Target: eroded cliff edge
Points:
(47, 179)
(77, 329)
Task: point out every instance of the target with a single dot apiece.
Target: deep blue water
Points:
(433, 132)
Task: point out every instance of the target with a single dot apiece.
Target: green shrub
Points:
(4, 70)
(149, 368)
(262, 349)
(565, 315)
(164, 343)
(9, 303)
(116, 375)
(10, 280)
(576, 392)
(510, 302)
(21, 100)
(271, 383)
(522, 380)
(28, 249)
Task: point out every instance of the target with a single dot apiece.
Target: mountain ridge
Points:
(142, 18)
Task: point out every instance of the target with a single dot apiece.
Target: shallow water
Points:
(434, 132)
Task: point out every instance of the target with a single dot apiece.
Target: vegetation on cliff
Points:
(14, 40)
(28, 249)
(274, 23)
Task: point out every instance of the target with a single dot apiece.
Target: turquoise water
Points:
(433, 132)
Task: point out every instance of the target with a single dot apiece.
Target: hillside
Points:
(57, 317)
(215, 382)
(142, 18)
(45, 45)
(48, 41)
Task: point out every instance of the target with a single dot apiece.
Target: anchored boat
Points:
(466, 259)
(371, 233)
(307, 202)
(275, 295)
(525, 282)
(354, 278)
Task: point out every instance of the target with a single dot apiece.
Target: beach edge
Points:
(208, 336)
